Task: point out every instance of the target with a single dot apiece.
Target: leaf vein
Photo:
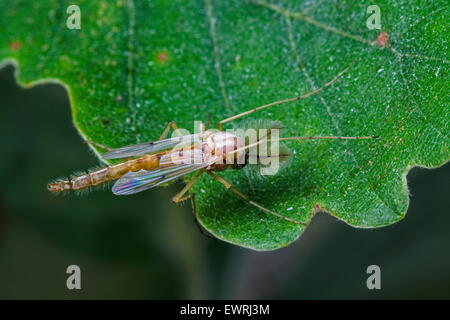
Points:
(217, 64)
(417, 105)
(308, 19)
(130, 66)
(327, 107)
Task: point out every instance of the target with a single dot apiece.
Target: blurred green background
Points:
(145, 247)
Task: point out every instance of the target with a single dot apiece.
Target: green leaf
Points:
(136, 65)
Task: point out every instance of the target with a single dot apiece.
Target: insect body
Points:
(220, 147)
(213, 153)
(106, 174)
(158, 162)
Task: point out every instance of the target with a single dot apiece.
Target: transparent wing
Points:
(151, 147)
(134, 182)
(172, 166)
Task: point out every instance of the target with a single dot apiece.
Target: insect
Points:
(147, 165)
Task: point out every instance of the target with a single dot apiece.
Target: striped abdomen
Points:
(106, 174)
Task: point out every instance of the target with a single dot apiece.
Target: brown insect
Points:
(150, 164)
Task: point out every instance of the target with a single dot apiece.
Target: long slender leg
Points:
(179, 196)
(99, 145)
(230, 187)
(194, 211)
(301, 138)
(166, 131)
(304, 96)
(199, 226)
(164, 134)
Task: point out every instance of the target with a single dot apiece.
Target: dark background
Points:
(143, 246)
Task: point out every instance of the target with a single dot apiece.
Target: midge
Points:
(147, 165)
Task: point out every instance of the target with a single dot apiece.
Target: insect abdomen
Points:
(104, 175)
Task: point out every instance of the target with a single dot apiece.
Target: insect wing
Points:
(134, 182)
(172, 165)
(151, 147)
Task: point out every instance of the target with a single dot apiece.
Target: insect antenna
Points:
(304, 96)
(303, 138)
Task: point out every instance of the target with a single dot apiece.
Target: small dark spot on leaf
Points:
(15, 45)
(106, 122)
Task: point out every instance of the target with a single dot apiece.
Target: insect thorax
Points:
(222, 146)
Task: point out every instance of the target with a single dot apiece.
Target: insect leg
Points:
(179, 196)
(166, 130)
(245, 198)
(194, 211)
(304, 96)
(199, 226)
(98, 145)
